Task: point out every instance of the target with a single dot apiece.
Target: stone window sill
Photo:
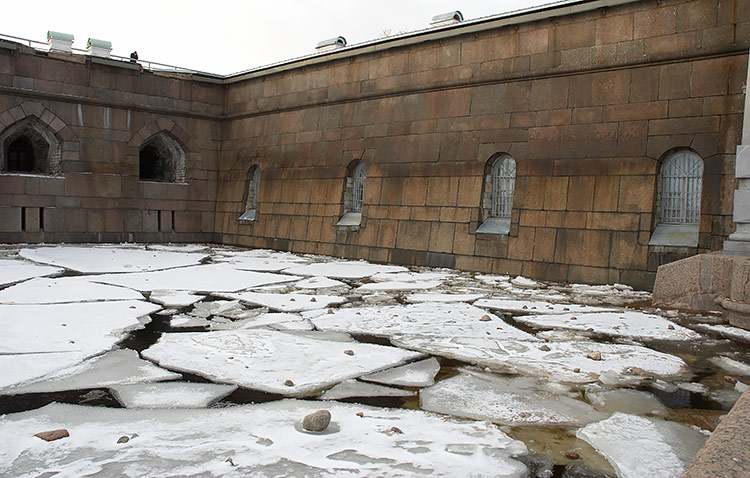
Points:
(495, 225)
(247, 216)
(675, 235)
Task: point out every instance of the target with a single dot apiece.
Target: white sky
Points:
(227, 36)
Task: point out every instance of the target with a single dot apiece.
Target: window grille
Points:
(682, 175)
(253, 188)
(358, 187)
(503, 182)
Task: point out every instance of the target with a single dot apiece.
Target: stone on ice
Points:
(266, 359)
(354, 388)
(639, 446)
(417, 374)
(512, 402)
(432, 319)
(628, 324)
(116, 367)
(12, 271)
(171, 395)
(437, 297)
(204, 278)
(343, 269)
(110, 258)
(564, 361)
(64, 290)
(287, 302)
(260, 440)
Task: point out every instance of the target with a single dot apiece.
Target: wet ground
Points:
(698, 398)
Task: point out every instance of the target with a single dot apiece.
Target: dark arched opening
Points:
(151, 165)
(21, 157)
(161, 158)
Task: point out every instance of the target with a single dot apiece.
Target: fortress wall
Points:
(587, 104)
(102, 111)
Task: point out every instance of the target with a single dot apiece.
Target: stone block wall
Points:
(588, 105)
(101, 111)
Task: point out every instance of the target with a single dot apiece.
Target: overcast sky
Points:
(227, 36)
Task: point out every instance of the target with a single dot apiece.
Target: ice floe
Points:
(612, 294)
(726, 331)
(204, 278)
(417, 374)
(570, 362)
(524, 282)
(513, 402)
(269, 319)
(287, 302)
(438, 297)
(272, 361)
(12, 271)
(634, 402)
(639, 446)
(730, 365)
(399, 285)
(319, 283)
(343, 269)
(433, 319)
(22, 368)
(260, 260)
(171, 395)
(174, 298)
(107, 258)
(628, 324)
(64, 290)
(356, 389)
(116, 367)
(255, 440)
(519, 306)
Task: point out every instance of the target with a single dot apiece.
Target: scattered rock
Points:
(123, 439)
(544, 348)
(670, 327)
(289, 383)
(590, 329)
(230, 461)
(729, 379)
(360, 414)
(573, 455)
(53, 435)
(576, 370)
(330, 311)
(393, 431)
(317, 421)
(485, 318)
(594, 356)
(312, 299)
(349, 352)
(291, 299)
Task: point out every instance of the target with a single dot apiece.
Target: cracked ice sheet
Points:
(343, 269)
(174, 298)
(203, 278)
(639, 446)
(64, 290)
(437, 297)
(535, 306)
(116, 367)
(417, 374)
(354, 388)
(261, 440)
(429, 319)
(512, 402)
(54, 337)
(319, 283)
(110, 258)
(260, 260)
(558, 363)
(171, 395)
(12, 271)
(399, 285)
(287, 302)
(726, 331)
(265, 359)
(628, 324)
(270, 319)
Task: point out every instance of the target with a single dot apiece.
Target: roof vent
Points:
(60, 41)
(331, 44)
(446, 19)
(101, 48)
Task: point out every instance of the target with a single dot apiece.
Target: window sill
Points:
(675, 235)
(350, 220)
(248, 216)
(495, 225)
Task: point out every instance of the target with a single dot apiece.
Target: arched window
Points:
(161, 158)
(681, 179)
(29, 147)
(358, 187)
(679, 204)
(21, 155)
(354, 194)
(251, 194)
(497, 199)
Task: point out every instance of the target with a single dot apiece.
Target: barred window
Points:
(358, 187)
(503, 178)
(252, 188)
(681, 178)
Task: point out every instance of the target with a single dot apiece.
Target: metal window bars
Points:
(358, 187)
(682, 175)
(253, 188)
(503, 182)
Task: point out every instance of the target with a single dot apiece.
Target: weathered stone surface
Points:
(317, 421)
(53, 435)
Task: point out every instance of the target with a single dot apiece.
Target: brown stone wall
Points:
(587, 104)
(101, 111)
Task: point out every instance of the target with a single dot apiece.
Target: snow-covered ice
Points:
(513, 402)
(13, 270)
(319, 283)
(569, 362)
(354, 388)
(634, 402)
(287, 302)
(209, 277)
(728, 331)
(399, 285)
(417, 374)
(107, 258)
(122, 366)
(269, 319)
(433, 319)
(343, 269)
(255, 440)
(638, 446)
(520, 306)
(262, 260)
(438, 297)
(628, 324)
(174, 298)
(730, 365)
(272, 361)
(170, 395)
(64, 290)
